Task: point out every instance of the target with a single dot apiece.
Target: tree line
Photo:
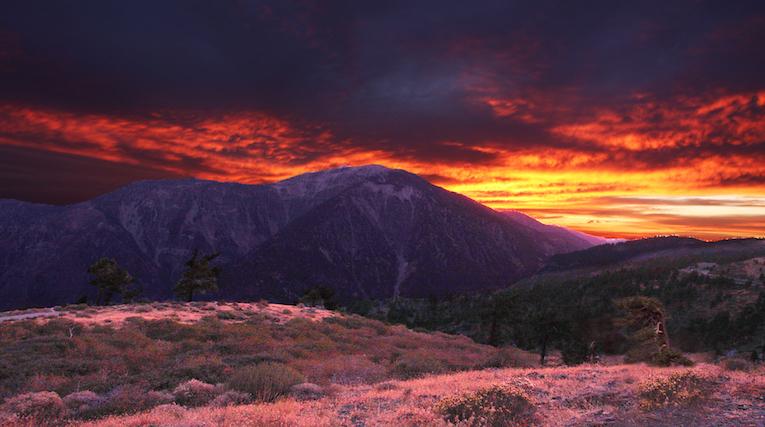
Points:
(583, 315)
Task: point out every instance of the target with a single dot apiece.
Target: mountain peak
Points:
(312, 183)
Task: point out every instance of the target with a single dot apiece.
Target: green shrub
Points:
(736, 364)
(83, 404)
(669, 357)
(574, 352)
(230, 398)
(42, 407)
(208, 368)
(307, 391)
(130, 399)
(194, 393)
(416, 365)
(230, 315)
(496, 406)
(266, 381)
(678, 389)
(509, 358)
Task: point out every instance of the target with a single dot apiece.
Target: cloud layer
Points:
(570, 112)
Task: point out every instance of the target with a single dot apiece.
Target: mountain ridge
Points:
(369, 231)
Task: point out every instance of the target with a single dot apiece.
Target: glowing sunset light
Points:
(659, 130)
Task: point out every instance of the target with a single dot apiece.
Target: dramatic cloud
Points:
(570, 111)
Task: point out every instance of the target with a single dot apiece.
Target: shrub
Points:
(208, 368)
(8, 419)
(346, 369)
(194, 393)
(509, 358)
(42, 406)
(266, 381)
(678, 389)
(306, 391)
(385, 386)
(416, 365)
(736, 364)
(83, 404)
(170, 412)
(45, 382)
(668, 357)
(129, 399)
(497, 405)
(230, 398)
(574, 352)
(229, 315)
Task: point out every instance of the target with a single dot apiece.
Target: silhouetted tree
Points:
(548, 328)
(320, 296)
(499, 313)
(110, 279)
(199, 277)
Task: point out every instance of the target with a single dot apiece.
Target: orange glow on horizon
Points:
(621, 188)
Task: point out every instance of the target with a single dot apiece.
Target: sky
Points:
(620, 119)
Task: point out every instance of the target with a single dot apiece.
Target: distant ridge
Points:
(648, 248)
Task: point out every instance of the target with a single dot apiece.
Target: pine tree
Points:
(319, 296)
(110, 279)
(646, 319)
(199, 277)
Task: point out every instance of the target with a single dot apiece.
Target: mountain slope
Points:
(368, 232)
(565, 240)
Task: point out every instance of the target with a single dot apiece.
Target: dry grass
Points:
(115, 315)
(577, 396)
(192, 312)
(133, 359)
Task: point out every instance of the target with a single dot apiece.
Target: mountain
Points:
(368, 232)
(563, 236)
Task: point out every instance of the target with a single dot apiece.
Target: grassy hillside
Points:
(232, 364)
(127, 359)
(581, 396)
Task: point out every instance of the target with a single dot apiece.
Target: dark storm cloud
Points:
(65, 182)
(397, 75)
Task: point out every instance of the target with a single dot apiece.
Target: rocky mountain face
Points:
(367, 232)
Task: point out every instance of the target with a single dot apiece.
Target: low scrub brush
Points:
(677, 390)
(496, 406)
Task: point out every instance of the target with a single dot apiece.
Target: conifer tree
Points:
(646, 319)
(199, 277)
(110, 279)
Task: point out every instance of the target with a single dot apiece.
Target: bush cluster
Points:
(496, 406)
(736, 364)
(42, 406)
(678, 389)
(669, 357)
(265, 382)
(194, 393)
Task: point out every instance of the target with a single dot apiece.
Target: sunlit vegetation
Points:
(93, 370)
